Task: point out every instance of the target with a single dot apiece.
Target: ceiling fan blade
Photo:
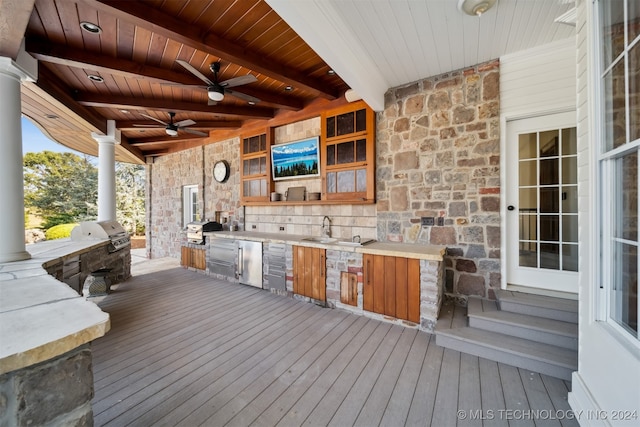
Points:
(237, 81)
(211, 102)
(183, 123)
(194, 132)
(154, 119)
(194, 71)
(147, 126)
(242, 96)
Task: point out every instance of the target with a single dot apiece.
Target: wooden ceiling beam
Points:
(166, 139)
(168, 26)
(83, 59)
(137, 103)
(202, 124)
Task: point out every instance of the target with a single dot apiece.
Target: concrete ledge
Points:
(40, 317)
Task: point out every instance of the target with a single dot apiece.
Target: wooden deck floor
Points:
(188, 350)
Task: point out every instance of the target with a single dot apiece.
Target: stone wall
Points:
(57, 392)
(438, 155)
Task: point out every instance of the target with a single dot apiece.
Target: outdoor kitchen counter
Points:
(41, 317)
(405, 250)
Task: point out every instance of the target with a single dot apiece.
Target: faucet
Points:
(326, 228)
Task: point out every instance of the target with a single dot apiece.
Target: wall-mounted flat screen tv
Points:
(295, 160)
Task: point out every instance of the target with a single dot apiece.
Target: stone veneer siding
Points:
(57, 392)
(438, 155)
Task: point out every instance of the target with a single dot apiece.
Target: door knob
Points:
(510, 207)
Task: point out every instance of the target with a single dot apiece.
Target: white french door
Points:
(542, 203)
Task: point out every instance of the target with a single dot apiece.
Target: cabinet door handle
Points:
(323, 266)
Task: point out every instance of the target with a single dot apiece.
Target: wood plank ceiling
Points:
(134, 55)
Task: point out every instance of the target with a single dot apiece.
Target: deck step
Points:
(538, 357)
(484, 314)
(565, 310)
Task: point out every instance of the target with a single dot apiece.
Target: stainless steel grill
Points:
(195, 230)
(101, 230)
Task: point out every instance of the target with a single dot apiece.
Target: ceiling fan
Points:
(172, 128)
(216, 90)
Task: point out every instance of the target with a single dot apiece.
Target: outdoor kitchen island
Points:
(46, 328)
(398, 283)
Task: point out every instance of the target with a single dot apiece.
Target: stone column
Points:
(107, 171)
(12, 246)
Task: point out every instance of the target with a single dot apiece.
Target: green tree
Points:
(61, 187)
(130, 191)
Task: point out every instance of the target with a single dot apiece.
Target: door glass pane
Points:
(570, 257)
(570, 228)
(614, 111)
(528, 173)
(612, 30)
(549, 171)
(528, 200)
(528, 227)
(550, 256)
(548, 212)
(527, 146)
(549, 200)
(569, 142)
(570, 199)
(549, 143)
(550, 228)
(528, 254)
(624, 298)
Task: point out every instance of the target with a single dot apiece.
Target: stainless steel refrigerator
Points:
(250, 263)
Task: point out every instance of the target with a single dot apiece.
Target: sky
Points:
(34, 141)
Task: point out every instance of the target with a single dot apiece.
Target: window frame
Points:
(608, 181)
(189, 211)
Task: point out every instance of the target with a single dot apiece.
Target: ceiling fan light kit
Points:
(171, 132)
(216, 93)
(475, 7)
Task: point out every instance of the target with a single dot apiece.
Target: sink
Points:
(320, 239)
(360, 243)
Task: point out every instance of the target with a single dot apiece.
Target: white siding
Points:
(609, 369)
(539, 80)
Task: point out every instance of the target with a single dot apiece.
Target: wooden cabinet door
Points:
(392, 286)
(309, 271)
(192, 257)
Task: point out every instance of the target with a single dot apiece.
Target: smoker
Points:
(102, 230)
(195, 230)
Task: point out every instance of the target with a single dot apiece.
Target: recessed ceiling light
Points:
(288, 88)
(331, 72)
(95, 78)
(90, 27)
(124, 111)
(251, 103)
(51, 116)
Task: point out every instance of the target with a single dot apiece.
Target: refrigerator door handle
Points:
(240, 262)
